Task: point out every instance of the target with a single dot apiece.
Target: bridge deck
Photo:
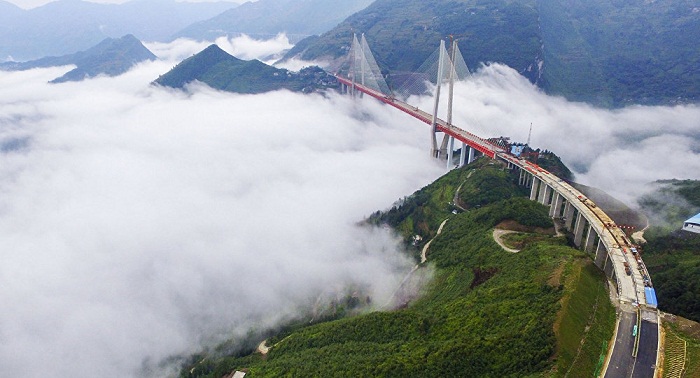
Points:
(482, 145)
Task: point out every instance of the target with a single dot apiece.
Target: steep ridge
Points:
(112, 57)
(403, 33)
(605, 53)
(297, 18)
(220, 70)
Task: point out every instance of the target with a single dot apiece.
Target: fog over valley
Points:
(139, 223)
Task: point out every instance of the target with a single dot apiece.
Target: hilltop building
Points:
(692, 224)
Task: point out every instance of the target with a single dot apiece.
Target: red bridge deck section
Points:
(482, 145)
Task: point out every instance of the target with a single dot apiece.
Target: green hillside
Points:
(216, 68)
(609, 53)
(621, 52)
(404, 33)
(543, 311)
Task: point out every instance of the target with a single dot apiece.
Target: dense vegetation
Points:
(673, 256)
(404, 33)
(609, 53)
(486, 312)
(620, 52)
(216, 68)
(111, 57)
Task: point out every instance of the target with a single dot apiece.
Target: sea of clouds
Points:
(139, 223)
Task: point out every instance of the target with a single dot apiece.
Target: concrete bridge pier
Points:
(590, 239)
(600, 254)
(555, 208)
(569, 213)
(463, 154)
(535, 188)
(450, 152)
(579, 228)
(545, 193)
(609, 269)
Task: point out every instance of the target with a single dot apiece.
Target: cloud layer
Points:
(620, 151)
(138, 222)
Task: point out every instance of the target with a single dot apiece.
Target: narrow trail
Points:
(424, 252)
(455, 199)
(498, 234)
(639, 235)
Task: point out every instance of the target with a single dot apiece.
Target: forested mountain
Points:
(297, 18)
(404, 33)
(485, 312)
(218, 69)
(672, 255)
(112, 57)
(606, 53)
(66, 26)
(622, 52)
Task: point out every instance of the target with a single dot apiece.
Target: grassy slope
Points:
(485, 313)
(676, 334)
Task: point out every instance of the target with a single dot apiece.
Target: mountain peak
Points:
(220, 70)
(112, 56)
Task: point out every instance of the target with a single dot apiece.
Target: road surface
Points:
(620, 365)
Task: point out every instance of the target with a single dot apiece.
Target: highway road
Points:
(620, 365)
(646, 356)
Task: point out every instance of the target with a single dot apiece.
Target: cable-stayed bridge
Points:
(634, 351)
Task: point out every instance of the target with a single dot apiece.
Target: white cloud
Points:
(620, 151)
(242, 47)
(137, 222)
(247, 48)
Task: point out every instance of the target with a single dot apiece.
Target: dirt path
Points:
(639, 235)
(263, 348)
(498, 234)
(424, 252)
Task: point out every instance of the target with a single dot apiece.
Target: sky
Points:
(28, 4)
(140, 223)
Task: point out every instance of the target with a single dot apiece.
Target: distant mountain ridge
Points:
(404, 33)
(270, 17)
(112, 57)
(220, 70)
(66, 26)
(601, 52)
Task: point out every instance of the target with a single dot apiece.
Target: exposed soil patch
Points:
(515, 226)
(498, 235)
(555, 278)
(686, 326)
(482, 275)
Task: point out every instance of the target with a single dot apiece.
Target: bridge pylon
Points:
(447, 71)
